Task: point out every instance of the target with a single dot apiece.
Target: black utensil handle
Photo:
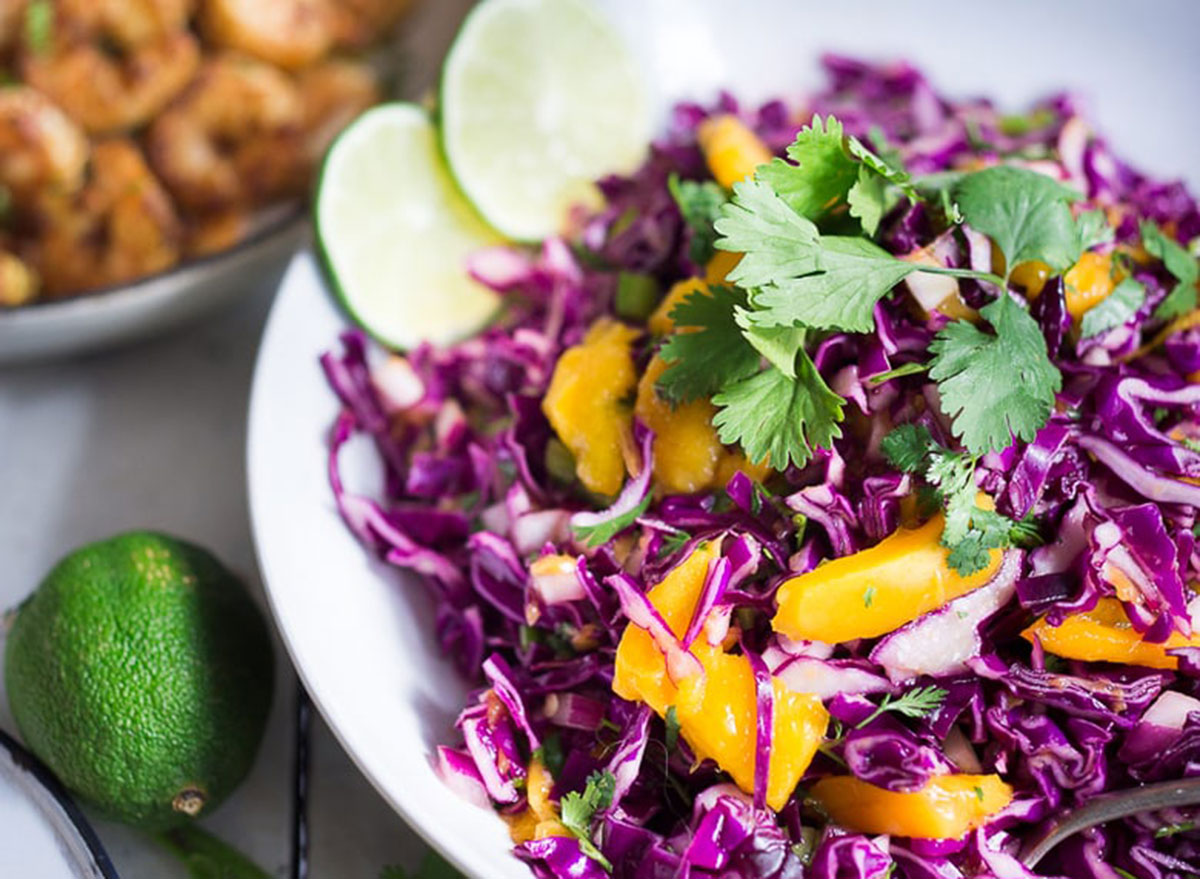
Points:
(300, 776)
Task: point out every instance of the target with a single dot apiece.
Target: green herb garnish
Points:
(578, 808)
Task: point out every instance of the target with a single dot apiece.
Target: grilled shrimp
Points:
(125, 23)
(40, 147)
(18, 280)
(233, 138)
(357, 24)
(120, 226)
(114, 91)
(288, 33)
(12, 21)
(333, 92)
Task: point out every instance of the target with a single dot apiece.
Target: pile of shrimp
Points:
(136, 134)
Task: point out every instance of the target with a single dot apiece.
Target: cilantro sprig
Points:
(1182, 266)
(578, 808)
(971, 531)
(747, 346)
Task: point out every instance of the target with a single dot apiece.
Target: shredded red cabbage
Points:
(475, 492)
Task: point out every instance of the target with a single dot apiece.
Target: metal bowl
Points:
(111, 316)
(42, 832)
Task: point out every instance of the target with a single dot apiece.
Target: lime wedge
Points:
(539, 98)
(395, 232)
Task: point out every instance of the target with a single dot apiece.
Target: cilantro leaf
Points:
(887, 168)
(1027, 214)
(597, 535)
(868, 199)
(1180, 263)
(700, 363)
(1115, 309)
(39, 26)
(700, 203)
(997, 386)
(969, 531)
(908, 447)
(433, 866)
(577, 810)
(779, 418)
(852, 275)
(777, 344)
(1092, 229)
(773, 239)
(822, 174)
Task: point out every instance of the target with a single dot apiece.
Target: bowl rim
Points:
(27, 762)
(292, 214)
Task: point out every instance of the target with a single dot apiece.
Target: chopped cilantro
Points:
(577, 810)
(915, 703)
(1173, 829)
(1025, 213)
(970, 531)
(700, 204)
(672, 724)
(869, 596)
(978, 793)
(596, 535)
(779, 418)
(868, 199)
(39, 26)
(550, 753)
(637, 295)
(1124, 874)
(1180, 263)
(713, 354)
(1115, 309)
(673, 542)
(995, 387)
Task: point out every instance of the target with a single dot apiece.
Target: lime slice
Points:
(395, 232)
(539, 98)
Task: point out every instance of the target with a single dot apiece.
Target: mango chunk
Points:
(539, 818)
(731, 148)
(948, 807)
(660, 322)
(1104, 634)
(686, 447)
(1088, 283)
(876, 590)
(720, 266)
(718, 718)
(584, 403)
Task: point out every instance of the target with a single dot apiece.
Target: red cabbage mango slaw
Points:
(890, 625)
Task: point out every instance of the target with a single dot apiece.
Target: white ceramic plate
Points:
(106, 318)
(360, 635)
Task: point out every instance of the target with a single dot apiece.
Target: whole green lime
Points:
(140, 672)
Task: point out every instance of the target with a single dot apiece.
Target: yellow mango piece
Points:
(583, 403)
(1031, 276)
(1104, 634)
(660, 322)
(876, 590)
(720, 723)
(721, 265)
(731, 148)
(686, 448)
(1088, 283)
(539, 818)
(737, 462)
(947, 807)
